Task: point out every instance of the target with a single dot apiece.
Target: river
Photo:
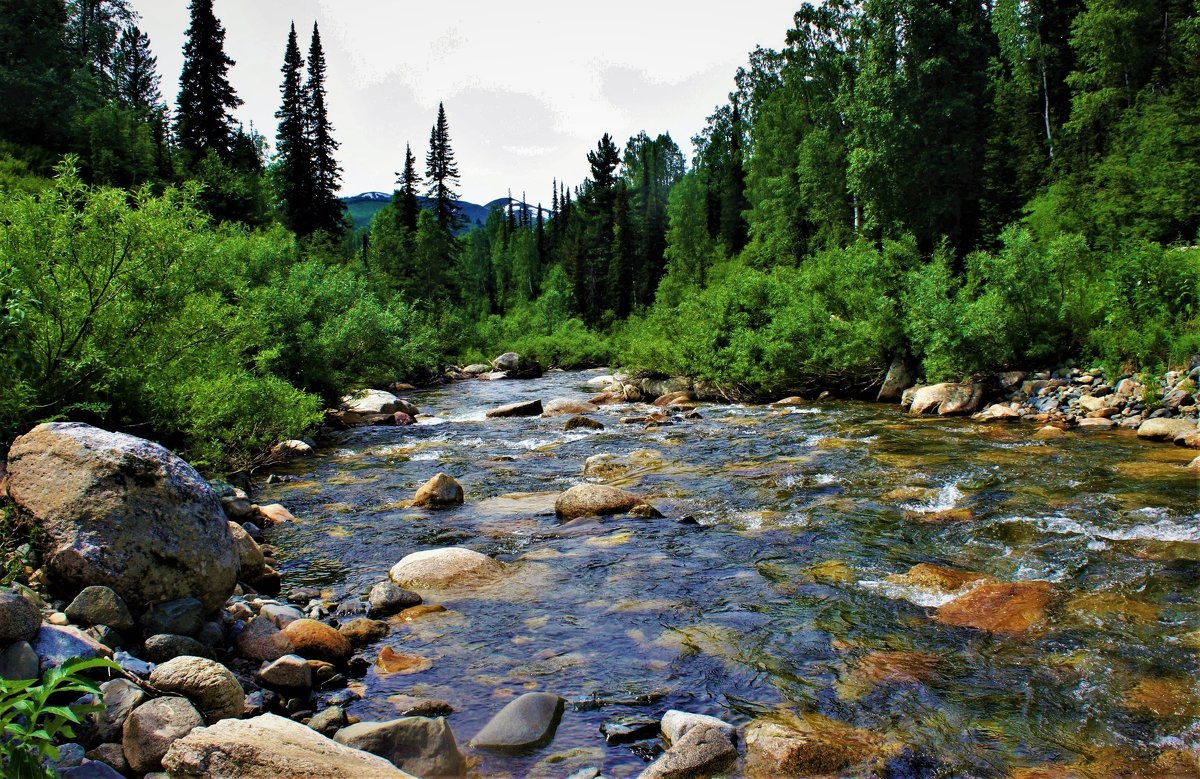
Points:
(782, 594)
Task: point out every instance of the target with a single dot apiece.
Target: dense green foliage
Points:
(134, 309)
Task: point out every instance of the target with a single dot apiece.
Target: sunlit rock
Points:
(999, 607)
(446, 567)
(585, 500)
(441, 490)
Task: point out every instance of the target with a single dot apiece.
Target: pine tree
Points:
(326, 174)
(407, 208)
(135, 73)
(442, 174)
(294, 174)
(203, 116)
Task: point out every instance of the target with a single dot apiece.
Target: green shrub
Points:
(31, 724)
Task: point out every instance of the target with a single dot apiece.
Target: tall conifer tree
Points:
(135, 73)
(203, 116)
(327, 175)
(294, 178)
(407, 208)
(442, 174)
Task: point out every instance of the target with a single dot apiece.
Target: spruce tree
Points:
(407, 207)
(442, 174)
(326, 174)
(135, 73)
(294, 174)
(203, 115)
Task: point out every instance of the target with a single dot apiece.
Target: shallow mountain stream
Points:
(786, 594)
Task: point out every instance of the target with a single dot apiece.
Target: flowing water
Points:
(783, 595)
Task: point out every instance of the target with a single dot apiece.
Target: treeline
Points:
(974, 186)
(971, 186)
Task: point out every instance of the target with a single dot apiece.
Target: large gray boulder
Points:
(123, 512)
(270, 747)
(420, 745)
(528, 721)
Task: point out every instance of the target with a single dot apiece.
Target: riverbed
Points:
(774, 583)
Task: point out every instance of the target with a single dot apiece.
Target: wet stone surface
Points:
(788, 591)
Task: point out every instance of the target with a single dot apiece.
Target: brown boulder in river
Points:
(585, 500)
(528, 408)
(441, 490)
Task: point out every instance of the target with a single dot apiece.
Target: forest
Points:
(971, 186)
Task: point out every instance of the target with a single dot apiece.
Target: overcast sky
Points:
(529, 87)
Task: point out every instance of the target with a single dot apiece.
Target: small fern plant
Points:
(30, 724)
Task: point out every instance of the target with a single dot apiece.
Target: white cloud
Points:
(528, 87)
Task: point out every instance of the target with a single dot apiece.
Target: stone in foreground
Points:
(99, 605)
(207, 683)
(452, 566)
(998, 608)
(420, 745)
(946, 399)
(441, 490)
(586, 500)
(153, 727)
(527, 722)
(122, 512)
(704, 750)
(270, 747)
(528, 408)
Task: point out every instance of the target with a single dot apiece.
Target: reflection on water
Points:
(787, 593)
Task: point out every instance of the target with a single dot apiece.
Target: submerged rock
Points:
(122, 512)
(446, 567)
(386, 599)
(803, 746)
(586, 423)
(271, 747)
(441, 490)
(586, 500)
(526, 722)
(999, 608)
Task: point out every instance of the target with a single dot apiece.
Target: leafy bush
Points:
(31, 724)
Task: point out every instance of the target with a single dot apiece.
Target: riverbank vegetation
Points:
(978, 187)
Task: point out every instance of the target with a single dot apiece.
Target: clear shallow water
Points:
(780, 599)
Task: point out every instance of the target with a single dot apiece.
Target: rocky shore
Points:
(135, 557)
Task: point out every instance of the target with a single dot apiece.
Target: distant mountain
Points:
(362, 209)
